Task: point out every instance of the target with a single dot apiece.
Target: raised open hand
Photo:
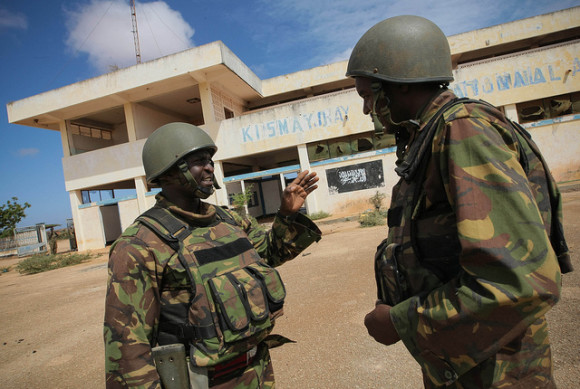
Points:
(295, 194)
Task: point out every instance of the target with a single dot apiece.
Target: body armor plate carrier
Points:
(235, 296)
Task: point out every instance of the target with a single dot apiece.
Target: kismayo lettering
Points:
(294, 124)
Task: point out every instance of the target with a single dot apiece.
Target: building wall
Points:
(509, 79)
(221, 99)
(128, 212)
(502, 81)
(560, 145)
(103, 166)
(336, 202)
(291, 124)
(148, 120)
(92, 227)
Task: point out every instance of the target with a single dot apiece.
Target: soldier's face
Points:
(377, 101)
(201, 167)
(364, 90)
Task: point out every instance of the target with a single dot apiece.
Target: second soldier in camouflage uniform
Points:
(471, 271)
(218, 293)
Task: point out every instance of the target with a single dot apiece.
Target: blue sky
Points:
(46, 44)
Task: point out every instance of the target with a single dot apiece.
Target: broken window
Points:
(550, 107)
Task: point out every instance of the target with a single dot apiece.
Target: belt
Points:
(230, 366)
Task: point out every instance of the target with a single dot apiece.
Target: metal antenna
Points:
(135, 32)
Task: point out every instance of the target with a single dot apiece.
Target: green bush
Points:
(319, 215)
(39, 263)
(377, 200)
(372, 218)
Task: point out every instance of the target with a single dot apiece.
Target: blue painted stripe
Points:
(269, 172)
(117, 200)
(296, 168)
(556, 120)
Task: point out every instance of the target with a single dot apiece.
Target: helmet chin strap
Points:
(202, 193)
(385, 113)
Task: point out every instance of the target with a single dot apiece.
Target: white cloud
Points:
(12, 20)
(103, 30)
(28, 152)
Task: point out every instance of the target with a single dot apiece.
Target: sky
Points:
(47, 44)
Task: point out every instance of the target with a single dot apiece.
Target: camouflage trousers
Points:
(524, 363)
(257, 375)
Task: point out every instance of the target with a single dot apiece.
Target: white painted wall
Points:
(148, 120)
(103, 166)
(352, 203)
(128, 212)
(92, 227)
(286, 125)
(514, 78)
(560, 146)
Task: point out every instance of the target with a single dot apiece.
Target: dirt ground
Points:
(51, 323)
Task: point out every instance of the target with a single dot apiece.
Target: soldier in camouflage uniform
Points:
(218, 292)
(470, 271)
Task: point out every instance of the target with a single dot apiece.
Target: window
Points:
(318, 151)
(91, 196)
(547, 108)
(348, 145)
(90, 132)
(228, 113)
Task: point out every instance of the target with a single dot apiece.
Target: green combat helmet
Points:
(168, 145)
(402, 49)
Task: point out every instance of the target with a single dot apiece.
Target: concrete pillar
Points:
(221, 194)
(130, 120)
(303, 157)
(244, 191)
(141, 188)
(210, 124)
(311, 201)
(511, 112)
(76, 199)
(66, 139)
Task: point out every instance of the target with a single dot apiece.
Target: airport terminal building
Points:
(267, 130)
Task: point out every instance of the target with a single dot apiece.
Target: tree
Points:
(10, 214)
(240, 200)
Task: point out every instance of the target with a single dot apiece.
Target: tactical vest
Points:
(235, 296)
(430, 250)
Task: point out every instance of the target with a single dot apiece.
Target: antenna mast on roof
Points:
(135, 32)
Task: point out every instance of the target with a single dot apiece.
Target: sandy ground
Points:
(51, 323)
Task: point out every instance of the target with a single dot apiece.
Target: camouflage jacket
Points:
(482, 323)
(145, 275)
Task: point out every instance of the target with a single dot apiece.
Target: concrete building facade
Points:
(267, 130)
